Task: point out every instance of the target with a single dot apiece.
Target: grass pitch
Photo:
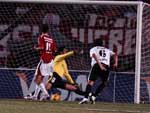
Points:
(24, 106)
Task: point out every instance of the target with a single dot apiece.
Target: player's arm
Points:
(99, 63)
(64, 56)
(54, 48)
(40, 46)
(115, 56)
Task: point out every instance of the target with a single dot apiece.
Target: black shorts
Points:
(57, 81)
(96, 73)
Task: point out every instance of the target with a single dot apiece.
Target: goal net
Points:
(145, 55)
(76, 24)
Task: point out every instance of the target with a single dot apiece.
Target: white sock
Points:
(42, 86)
(37, 90)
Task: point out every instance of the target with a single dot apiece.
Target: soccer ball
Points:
(56, 97)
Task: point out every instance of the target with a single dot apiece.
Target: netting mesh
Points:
(145, 55)
(75, 26)
(145, 61)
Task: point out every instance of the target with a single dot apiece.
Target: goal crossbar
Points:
(77, 2)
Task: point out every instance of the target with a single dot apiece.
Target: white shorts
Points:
(45, 69)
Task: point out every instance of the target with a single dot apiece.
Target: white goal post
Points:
(139, 20)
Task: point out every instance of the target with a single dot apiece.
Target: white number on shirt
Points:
(48, 46)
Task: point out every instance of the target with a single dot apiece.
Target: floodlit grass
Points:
(24, 106)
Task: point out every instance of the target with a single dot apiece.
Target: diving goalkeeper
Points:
(60, 71)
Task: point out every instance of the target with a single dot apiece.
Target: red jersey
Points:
(49, 47)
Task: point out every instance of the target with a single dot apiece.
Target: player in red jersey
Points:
(47, 48)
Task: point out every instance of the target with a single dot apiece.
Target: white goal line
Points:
(103, 110)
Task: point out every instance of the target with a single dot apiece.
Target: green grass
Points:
(23, 106)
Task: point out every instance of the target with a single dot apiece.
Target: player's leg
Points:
(87, 92)
(57, 82)
(38, 81)
(43, 89)
(32, 88)
(48, 85)
(46, 70)
(104, 75)
(53, 81)
(97, 92)
(73, 87)
(100, 88)
(92, 78)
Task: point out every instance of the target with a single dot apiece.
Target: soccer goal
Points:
(124, 25)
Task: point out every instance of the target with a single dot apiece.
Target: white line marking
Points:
(105, 110)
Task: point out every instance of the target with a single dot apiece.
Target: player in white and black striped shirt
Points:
(100, 66)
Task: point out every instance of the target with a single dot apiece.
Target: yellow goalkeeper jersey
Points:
(60, 66)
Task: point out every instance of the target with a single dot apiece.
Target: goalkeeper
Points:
(60, 71)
